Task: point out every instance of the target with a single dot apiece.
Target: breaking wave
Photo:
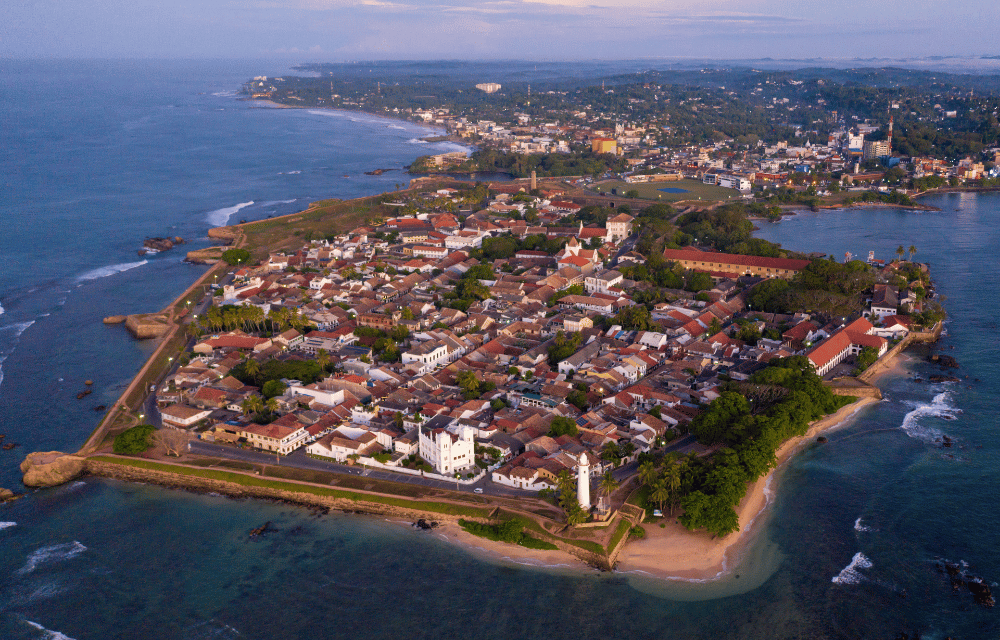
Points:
(17, 330)
(850, 573)
(939, 407)
(860, 527)
(7, 525)
(48, 633)
(220, 217)
(55, 553)
(417, 141)
(104, 272)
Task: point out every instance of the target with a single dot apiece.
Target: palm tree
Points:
(609, 484)
(660, 493)
(647, 472)
(900, 251)
(252, 367)
(252, 405)
(323, 358)
(672, 480)
(912, 250)
(271, 405)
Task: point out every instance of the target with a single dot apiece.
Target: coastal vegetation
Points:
(134, 440)
(509, 531)
(748, 423)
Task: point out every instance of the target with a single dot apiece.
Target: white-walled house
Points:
(447, 451)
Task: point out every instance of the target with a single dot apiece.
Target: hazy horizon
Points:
(550, 30)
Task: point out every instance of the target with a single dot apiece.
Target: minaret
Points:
(534, 180)
(583, 481)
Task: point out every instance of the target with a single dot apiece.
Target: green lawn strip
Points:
(496, 533)
(256, 481)
(623, 527)
(535, 543)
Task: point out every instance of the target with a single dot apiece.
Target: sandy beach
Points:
(675, 553)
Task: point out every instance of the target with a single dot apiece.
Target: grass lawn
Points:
(258, 481)
(651, 190)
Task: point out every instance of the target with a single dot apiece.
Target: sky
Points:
(339, 30)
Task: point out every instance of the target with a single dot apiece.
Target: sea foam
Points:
(220, 217)
(54, 553)
(850, 573)
(860, 527)
(939, 407)
(48, 633)
(104, 272)
(7, 525)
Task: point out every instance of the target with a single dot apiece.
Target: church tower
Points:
(583, 481)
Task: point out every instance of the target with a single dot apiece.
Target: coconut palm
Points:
(608, 484)
(912, 250)
(900, 251)
(323, 358)
(672, 480)
(252, 367)
(660, 492)
(647, 472)
(252, 405)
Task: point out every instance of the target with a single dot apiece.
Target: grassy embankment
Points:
(651, 191)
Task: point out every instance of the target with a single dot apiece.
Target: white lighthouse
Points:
(583, 481)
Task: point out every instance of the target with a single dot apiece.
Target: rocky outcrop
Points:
(7, 495)
(211, 255)
(115, 319)
(51, 468)
(223, 233)
(144, 326)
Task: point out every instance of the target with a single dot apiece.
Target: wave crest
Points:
(49, 634)
(104, 272)
(220, 217)
(939, 407)
(850, 573)
(55, 553)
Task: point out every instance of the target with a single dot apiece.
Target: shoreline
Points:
(674, 554)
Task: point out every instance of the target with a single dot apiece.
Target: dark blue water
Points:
(101, 155)
(673, 190)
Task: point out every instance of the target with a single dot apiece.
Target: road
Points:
(628, 244)
(300, 460)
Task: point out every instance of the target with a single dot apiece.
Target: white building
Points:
(446, 451)
(604, 282)
(619, 227)
(428, 355)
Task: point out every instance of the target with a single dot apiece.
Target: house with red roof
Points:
(848, 340)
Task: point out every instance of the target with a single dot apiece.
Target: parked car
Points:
(657, 513)
(477, 490)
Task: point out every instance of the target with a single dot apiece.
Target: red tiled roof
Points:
(735, 259)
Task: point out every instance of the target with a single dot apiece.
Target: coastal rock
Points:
(945, 361)
(158, 244)
(115, 319)
(6, 495)
(51, 468)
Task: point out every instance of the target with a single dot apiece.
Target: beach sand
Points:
(673, 552)
(502, 551)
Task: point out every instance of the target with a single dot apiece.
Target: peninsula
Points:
(520, 362)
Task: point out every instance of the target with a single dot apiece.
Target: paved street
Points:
(300, 460)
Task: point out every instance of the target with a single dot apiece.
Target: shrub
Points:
(135, 440)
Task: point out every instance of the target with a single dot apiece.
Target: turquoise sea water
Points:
(101, 155)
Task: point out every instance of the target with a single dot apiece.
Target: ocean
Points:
(97, 156)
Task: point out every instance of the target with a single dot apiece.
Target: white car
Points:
(477, 490)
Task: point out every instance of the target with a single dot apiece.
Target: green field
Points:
(650, 190)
